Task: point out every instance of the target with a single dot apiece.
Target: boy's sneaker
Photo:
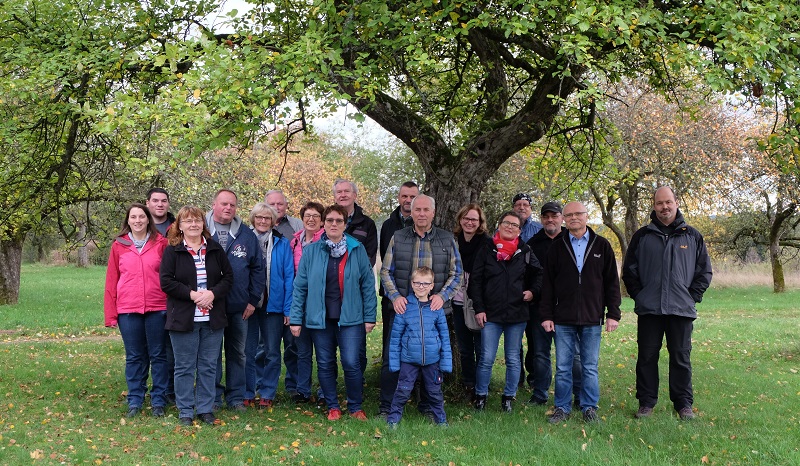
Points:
(644, 411)
(558, 416)
(392, 425)
(360, 415)
(590, 415)
(443, 424)
(334, 414)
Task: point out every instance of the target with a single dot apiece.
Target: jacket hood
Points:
(236, 223)
(677, 223)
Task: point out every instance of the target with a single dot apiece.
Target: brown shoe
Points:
(644, 411)
(686, 414)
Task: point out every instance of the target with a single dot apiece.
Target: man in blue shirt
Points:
(521, 204)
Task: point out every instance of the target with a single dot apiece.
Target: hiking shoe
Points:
(360, 415)
(208, 418)
(644, 411)
(185, 421)
(265, 403)
(158, 411)
(300, 398)
(334, 414)
(558, 416)
(505, 404)
(133, 412)
(686, 414)
(537, 401)
(249, 403)
(239, 407)
(590, 415)
(383, 414)
(170, 400)
(429, 415)
(442, 424)
(480, 402)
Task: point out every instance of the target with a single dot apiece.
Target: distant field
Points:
(63, 387)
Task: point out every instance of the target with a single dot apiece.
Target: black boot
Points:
(505, 404)
(480, 402)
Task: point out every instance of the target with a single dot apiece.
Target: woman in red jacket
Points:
(135, 303)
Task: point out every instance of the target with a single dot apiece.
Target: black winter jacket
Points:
(570, 298)
(667, 274)
(362, 228)
(496, 287)
(179, 278)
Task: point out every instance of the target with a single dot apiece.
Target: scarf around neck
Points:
(505, 249)
(337, 249)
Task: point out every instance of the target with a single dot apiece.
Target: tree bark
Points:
(83, 250)
(10, 263)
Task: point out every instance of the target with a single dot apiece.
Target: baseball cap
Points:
(551, 207)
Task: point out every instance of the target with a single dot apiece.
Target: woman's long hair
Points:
(463, 212)
(151, 225)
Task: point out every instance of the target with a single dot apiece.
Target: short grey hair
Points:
(424, 196)
(276, 191)
(262, 207)
(342, 180)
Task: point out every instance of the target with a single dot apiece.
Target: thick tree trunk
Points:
(778, 281)
(10, 263)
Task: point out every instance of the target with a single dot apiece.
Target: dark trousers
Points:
(650, 334)
(469, 347)
(431, 387)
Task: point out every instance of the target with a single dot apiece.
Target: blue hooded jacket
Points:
(420, 337)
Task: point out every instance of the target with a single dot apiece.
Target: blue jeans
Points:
(305, 352)
(349, 339)
(469, 346)
(490, 341)
(290, 360)
(263, 350)
(195, 359)
(540, 366)
(143, 336)
(587, 339)
(234, 342)
(431, 385)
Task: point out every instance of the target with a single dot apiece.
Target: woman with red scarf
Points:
(504, 280)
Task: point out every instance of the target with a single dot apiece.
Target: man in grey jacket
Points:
(666, 271)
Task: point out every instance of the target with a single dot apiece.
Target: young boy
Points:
(419, 344)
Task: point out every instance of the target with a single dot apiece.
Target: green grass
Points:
(62, 389)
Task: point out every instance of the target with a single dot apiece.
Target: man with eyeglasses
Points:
(521, 204)
(359, 225)
(410, 248)
(537, 359)
(398, 219)
(580, 281)
(285, 224)
(666, 271)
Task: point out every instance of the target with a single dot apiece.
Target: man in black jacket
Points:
(359, 226)
(666, 271)
(537, 359)
(398, 219)
(580, 281)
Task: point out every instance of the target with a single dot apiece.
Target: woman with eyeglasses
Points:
(334, 302)
(196, 276)
(470, 232)
(271, 317)
(505, 278)
(311, 215)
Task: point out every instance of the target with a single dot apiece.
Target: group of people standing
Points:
(186, 290)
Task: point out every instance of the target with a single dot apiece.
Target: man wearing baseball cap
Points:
(522, 206)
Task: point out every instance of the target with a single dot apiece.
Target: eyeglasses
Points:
(522, 204)
(509, 224)
(192, 220)
(421, 284)
(337, 221)
(311, 216)
(471, 220)
(574, 214)
(262, 218)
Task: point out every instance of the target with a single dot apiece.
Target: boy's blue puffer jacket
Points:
(420, 336)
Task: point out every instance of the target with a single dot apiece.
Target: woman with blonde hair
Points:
(196, 276)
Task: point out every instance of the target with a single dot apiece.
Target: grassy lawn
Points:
(62, 389)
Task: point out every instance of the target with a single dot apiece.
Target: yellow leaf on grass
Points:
(704, 459)
(424, 443)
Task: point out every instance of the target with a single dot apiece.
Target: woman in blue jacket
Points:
(271, 317)
(335, 301)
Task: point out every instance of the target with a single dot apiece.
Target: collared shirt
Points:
(579, 248)
(422, 255)
(529, 228)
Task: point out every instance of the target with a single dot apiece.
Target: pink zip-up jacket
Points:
(132, 279)
(297, 244)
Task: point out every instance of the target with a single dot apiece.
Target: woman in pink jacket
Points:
(311, 215)
(135, 303)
